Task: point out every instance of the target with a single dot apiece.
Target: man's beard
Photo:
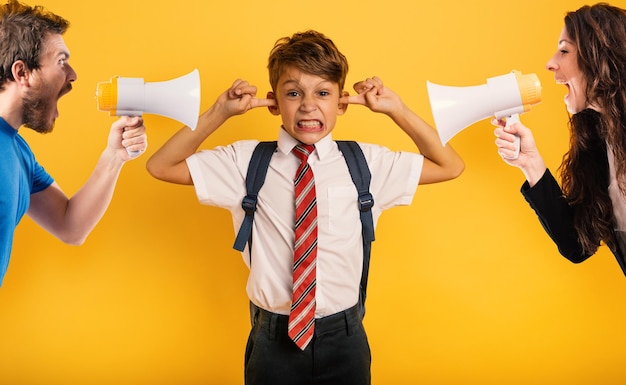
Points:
(36, 110)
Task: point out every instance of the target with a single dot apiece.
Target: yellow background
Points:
(465, 286)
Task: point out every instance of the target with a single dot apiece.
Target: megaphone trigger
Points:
(510, 121)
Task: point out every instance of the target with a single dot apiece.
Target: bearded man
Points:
(34, 74)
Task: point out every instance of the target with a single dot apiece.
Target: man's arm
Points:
(72, 219)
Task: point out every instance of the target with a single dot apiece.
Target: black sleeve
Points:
(555, 214)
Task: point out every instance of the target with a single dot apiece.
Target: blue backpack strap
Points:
(361, 176)
(257, 169)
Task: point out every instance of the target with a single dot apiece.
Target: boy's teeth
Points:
(310, 123)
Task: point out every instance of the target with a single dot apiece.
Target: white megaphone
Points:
(178, 99)
(505, 96)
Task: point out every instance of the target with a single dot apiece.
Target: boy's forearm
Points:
(169, 162)
(429, 144)
(423, 135)
(187, 141)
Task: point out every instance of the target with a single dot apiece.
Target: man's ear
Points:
(343, 103)
(274, 110)
(20, 72)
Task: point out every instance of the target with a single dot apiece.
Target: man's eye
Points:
(292, 94)
(324, 93)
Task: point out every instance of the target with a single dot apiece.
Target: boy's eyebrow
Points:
(297, 82)
(290, 81)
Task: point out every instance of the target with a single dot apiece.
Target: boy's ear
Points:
(274, 110)
(343, 103)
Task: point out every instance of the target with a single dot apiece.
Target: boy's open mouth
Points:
(310, 125)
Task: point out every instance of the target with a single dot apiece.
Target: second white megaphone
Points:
(178, 99)
(456, 108)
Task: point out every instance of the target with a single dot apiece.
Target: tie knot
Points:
(303, 151)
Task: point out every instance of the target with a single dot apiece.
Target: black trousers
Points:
(339, 353)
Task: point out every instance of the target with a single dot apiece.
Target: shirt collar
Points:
(6, 127)
(286, 143)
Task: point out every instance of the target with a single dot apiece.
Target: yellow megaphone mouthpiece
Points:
(106, 96)
(529, 88)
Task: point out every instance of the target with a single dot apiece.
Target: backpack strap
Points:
(360, 173)
(257, 169)
(361, 176)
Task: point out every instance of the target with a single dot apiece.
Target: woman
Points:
(590, 207)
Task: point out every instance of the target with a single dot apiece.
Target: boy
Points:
(307, 75)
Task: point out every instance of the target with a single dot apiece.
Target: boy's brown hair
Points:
(310, 52)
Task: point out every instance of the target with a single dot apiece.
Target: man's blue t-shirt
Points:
(21, 176)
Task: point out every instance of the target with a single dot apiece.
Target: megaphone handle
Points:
(509, 121)
(132, 154)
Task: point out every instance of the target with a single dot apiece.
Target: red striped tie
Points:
(302, 316)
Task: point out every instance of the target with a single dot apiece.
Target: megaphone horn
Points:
(456, 108)
(178, 99)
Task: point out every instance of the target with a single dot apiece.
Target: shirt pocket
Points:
(343, 212)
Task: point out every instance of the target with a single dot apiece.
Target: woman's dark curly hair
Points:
(599, 32)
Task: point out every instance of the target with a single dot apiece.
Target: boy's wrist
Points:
(214, 115)
(400, 113)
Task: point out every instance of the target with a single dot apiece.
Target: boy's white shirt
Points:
(219, 179)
